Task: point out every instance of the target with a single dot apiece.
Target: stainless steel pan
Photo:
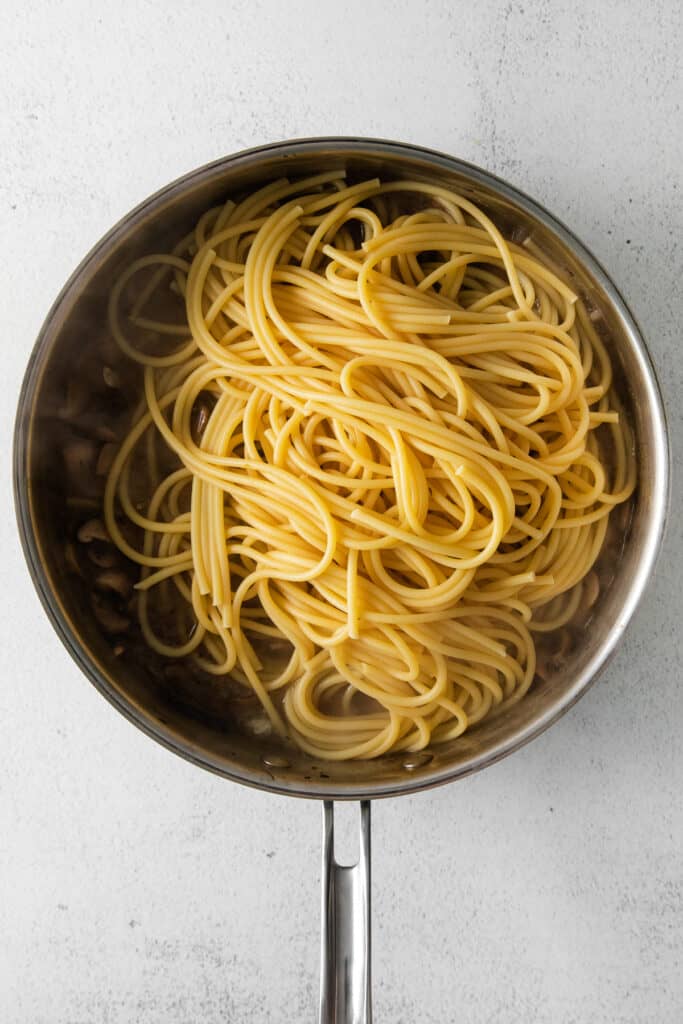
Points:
(192, 722)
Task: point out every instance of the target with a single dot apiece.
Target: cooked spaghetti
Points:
(396, 451)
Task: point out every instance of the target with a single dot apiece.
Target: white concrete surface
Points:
(135, 888)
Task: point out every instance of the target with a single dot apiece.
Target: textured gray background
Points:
(135, 888)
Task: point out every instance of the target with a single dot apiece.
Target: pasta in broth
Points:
(389, 468)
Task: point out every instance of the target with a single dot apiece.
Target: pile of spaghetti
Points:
(388, 469)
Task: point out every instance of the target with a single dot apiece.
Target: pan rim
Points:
(427, 778)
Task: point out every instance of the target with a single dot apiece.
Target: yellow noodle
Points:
(408, 457)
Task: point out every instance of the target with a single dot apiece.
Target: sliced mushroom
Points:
(107, 616)
(105, 458)
(201, 411)
(200, 417)
(519, 234)
(257, 724)
(101, 554)
(94, 529)
(237, 693)
(111, 377)
(75, 399)
(543, 669)
(115, 581)
(80, 454)
(84, 504)
(103, 432)
(551, 657)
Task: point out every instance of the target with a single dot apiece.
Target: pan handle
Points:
(345, 947)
